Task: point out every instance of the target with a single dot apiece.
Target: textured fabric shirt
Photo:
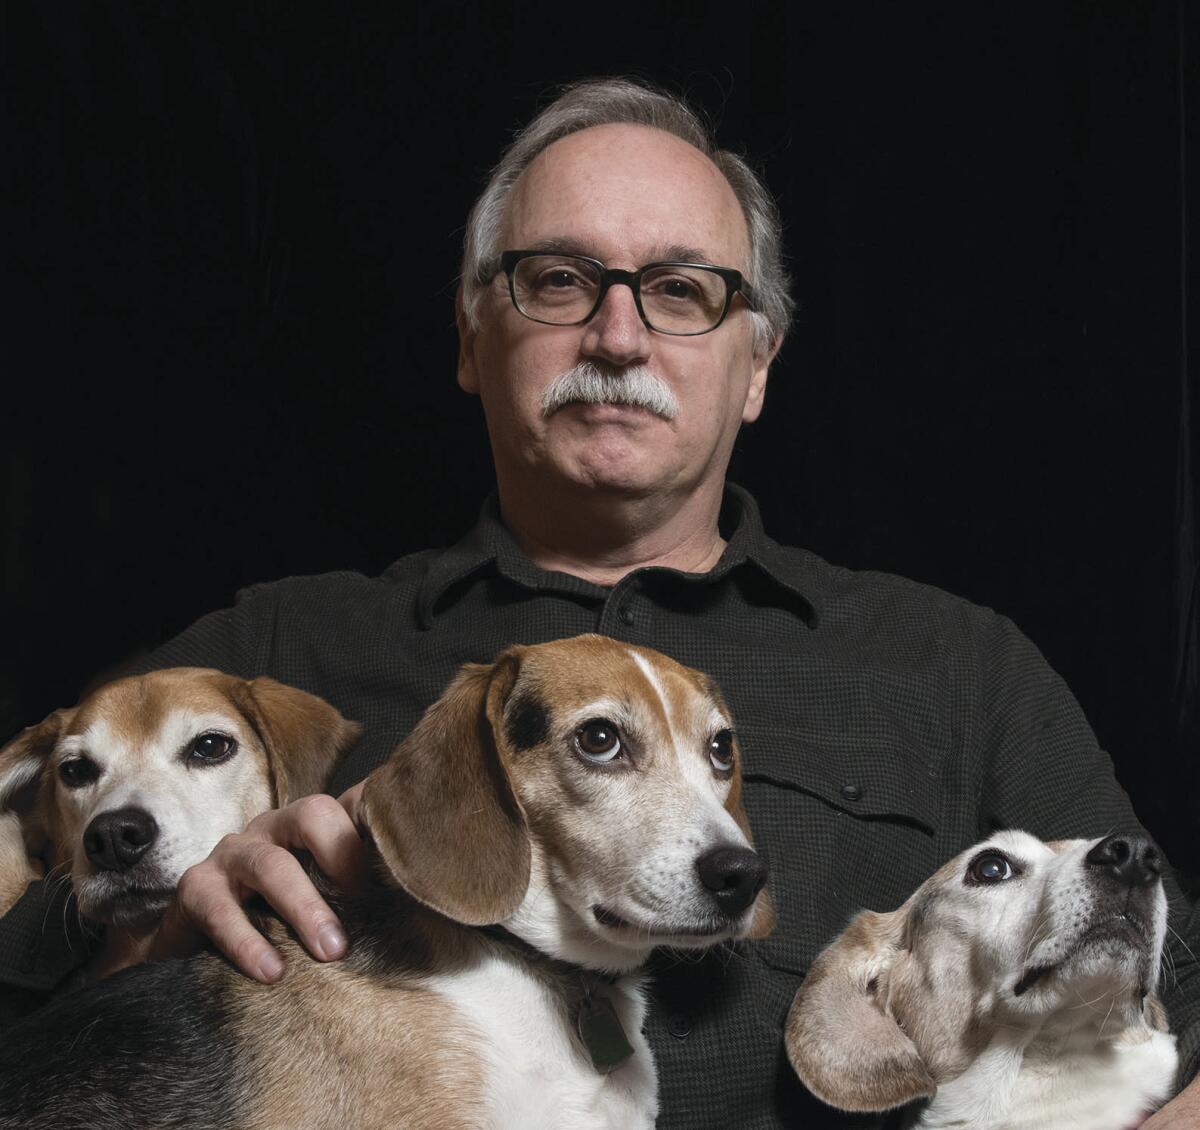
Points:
(884, 725)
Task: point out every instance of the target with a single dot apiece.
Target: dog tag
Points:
(602, 1034)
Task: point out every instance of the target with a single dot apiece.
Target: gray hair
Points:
(612, 101)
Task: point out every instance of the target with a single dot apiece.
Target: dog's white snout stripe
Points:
(656, 685)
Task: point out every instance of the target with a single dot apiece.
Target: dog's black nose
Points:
(116, 840)
(733, 876)
(1132, 861)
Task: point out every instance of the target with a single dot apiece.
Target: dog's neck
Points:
(585, 994)
(1021, 1079)
(555, 966)
(603, 1011)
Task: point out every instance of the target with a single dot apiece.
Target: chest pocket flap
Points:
(841, 831)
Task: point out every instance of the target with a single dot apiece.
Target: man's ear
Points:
(760, 363)
(468, 373)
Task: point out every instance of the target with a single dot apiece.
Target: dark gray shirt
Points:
(885, 726)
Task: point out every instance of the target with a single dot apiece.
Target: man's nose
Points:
(616, 332)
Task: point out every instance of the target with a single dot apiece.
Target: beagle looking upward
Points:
(552, 818)
(1015, 990)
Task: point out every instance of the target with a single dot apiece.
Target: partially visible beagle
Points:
(552, 818)
(1014, 990)
(124, 792)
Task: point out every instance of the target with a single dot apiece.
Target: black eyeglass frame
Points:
(734, 284)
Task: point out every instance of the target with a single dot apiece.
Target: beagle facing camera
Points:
(1015, 989)
(552, 818)
(124, 792)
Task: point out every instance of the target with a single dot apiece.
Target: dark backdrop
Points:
(232, 239)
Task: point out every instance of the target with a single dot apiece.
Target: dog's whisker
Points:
(68, 902)
(1180, 940)
(1035, 936)
(1167, 967)
(1108, 1015)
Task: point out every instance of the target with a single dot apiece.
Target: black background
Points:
(232, 239)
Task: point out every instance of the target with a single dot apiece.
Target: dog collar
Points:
(595, 1018)
(601, 1033)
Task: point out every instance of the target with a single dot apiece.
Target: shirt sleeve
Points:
(41, 939)
(1044, 772)
(236, 640)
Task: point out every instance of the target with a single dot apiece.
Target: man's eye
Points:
(77, 772)
(678, 288)
(990, 867)
(559, 279)
(211, 748)
(675, 290)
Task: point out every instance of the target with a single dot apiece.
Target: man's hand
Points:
(259, 860)
(1181, 1113)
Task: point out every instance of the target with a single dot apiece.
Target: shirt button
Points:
(627, 615)
(679, 1024)
(851, 792)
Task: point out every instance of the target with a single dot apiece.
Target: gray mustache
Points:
(587, 383)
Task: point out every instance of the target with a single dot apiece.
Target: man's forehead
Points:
(660, 252)
(627, 192)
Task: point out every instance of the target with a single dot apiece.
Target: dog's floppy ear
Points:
(304, 737)
(21, 765)
(442, 810)
(842, 1043)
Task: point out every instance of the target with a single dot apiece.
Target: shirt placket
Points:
(626, 612)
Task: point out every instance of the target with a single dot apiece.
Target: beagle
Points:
(1014, 990)
(552, 818)
(122, 793)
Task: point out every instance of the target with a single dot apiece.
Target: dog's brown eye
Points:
(598, 741)
(990, 867)
(77, 772)
(720, 751)
(211, 747)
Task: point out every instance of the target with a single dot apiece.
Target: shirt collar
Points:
(489, 547)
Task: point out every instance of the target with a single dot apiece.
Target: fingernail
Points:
(270, 966)
(331, 940)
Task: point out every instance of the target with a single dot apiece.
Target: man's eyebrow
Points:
(557, 246)
(682, 253)
(662, 253)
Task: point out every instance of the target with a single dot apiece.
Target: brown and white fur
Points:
(124, 792)
(1014, 990)
(551, 819)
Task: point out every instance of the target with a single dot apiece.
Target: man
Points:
(622, 300)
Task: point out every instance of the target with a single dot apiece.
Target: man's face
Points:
(625, 195)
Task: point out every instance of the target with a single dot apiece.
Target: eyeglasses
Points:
(672, 298)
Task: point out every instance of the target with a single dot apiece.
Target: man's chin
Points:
(618, 482)
(611, 461)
